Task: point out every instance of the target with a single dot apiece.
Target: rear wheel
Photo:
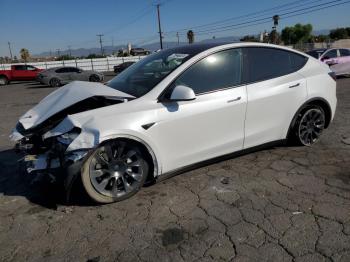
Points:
(114, 171)
(309, 125)
(94, 78)
(3, 80)
(55, 82)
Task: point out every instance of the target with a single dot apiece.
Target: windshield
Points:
(143, 76)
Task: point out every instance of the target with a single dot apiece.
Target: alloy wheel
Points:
(116, 169)
(311, 126)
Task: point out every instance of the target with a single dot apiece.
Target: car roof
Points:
(196, 48)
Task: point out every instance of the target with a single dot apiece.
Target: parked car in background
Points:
(19, 73)
(199, 102)
(338, 59)
(139, 51)
(121, 67)
(59, 76)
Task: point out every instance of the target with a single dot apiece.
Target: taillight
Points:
(333, 75)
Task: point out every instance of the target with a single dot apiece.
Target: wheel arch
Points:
(144, 145)
(319, 101)
(4, 75)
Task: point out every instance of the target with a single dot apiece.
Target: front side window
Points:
(344, 52)
(330, 54)
(214, 72)
(73, 70)
(265, 63)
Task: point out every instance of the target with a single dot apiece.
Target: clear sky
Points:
(41, 25)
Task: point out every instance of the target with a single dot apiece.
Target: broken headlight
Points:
(67, 138)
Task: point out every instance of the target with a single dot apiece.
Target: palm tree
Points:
(190, 36)
(24, 54)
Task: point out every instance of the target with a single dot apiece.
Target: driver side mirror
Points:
(182, 93)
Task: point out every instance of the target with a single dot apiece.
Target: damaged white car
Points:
(173, 109)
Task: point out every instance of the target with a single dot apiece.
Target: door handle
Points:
(233, 100)
(296, 85)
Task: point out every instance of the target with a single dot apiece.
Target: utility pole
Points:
(100, 36)
(10, 50)
(58, 52)
(178, 39)
(70, 51)
(159, 28)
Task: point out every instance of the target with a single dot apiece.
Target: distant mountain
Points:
(321, 32)
(108, 50)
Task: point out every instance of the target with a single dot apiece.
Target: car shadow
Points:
(36, 85)
(15, 182)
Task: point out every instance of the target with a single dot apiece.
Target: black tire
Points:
(55, 82)
(94, 78)
(115, 171)
(309, 126)
(4, 81)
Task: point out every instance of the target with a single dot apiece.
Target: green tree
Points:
(321, 38)
(95, 56)
(340, 33)
(296, 34)
(249, 38)
(64, 57)
(24, 54)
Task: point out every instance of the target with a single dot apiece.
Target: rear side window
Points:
(266, 63)
(214, 72)
(344, 52)
(62, 70)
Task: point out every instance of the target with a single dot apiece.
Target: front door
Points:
(211, 125)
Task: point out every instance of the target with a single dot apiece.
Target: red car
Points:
(19, 73)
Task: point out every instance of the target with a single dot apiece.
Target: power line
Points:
(100, 36)
(254, 14)
(266, 19)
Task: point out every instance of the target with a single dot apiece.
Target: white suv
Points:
(174, 109)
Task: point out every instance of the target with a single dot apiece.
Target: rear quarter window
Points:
(263, 63)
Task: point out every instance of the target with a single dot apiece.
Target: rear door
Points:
(275, 92)
(77, 74)
(63, 74)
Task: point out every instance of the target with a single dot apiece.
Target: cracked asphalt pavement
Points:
(277, 204)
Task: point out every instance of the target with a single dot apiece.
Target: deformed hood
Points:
(65, 97)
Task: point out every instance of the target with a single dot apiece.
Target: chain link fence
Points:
(97, 64)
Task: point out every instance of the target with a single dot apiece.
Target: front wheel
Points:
(94, 78)
(309, 125)
(3, 80)
(115, 171)
(55, 82)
